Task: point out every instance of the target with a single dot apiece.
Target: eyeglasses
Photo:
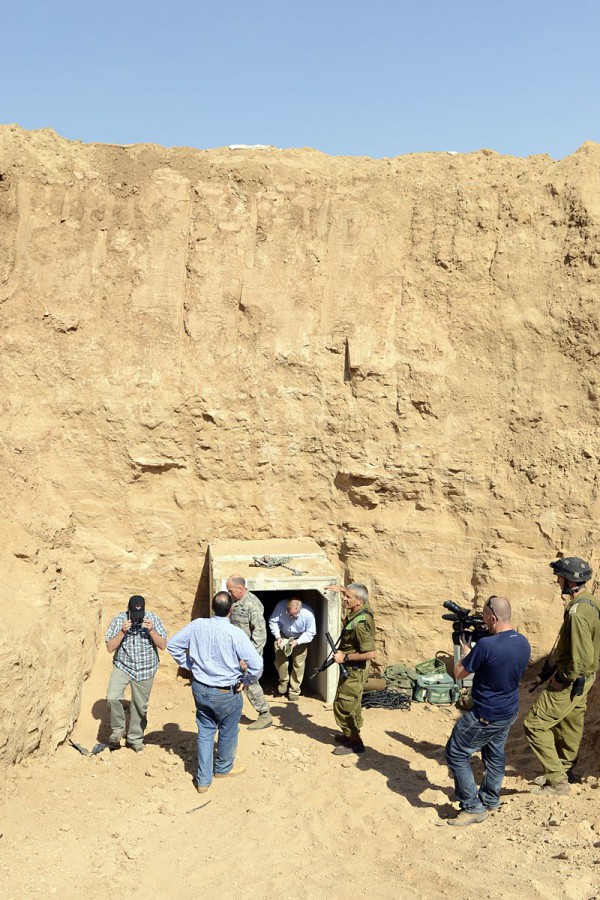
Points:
(490, 607)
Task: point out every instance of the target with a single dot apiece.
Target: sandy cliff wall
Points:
(395, 357)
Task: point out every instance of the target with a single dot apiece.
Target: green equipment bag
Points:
(401, 677)
(434, 684)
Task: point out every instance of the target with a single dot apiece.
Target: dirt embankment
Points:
(394, 357)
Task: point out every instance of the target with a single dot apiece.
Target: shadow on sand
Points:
(400, 777)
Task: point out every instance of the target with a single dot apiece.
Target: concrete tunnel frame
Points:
(235, 557)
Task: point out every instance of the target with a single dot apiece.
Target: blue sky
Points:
(378, 78)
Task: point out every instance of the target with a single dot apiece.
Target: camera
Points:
(465, 624)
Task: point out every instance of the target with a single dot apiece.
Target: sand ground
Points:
(300, 823)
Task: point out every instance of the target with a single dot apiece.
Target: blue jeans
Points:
(216, 709)
(468, 736)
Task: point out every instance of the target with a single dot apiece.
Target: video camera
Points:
(465, 624)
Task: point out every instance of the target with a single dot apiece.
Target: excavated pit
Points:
(394, 358)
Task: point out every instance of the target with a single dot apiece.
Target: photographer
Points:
(554, 724)
(497, 663)
(134, 637)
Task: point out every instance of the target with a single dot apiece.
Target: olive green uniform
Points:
(554, 724)
(358, 636)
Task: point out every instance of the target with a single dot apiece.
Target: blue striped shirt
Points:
(212, 649)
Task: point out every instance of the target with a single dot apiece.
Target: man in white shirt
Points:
(293, 626)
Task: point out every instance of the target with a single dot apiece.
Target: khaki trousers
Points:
(554, 728)
(347, 707)
(295, 673)
(140, 694)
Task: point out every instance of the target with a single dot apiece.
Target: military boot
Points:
(553, 790)
(264, 720)
(352, 745)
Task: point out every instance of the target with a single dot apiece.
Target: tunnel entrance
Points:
(274, 584)
(314, 658)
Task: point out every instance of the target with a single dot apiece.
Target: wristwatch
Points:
(346, 658)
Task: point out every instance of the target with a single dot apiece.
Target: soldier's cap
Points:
(136, 608)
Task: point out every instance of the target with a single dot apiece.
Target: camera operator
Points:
(554, 724)
(497, 663)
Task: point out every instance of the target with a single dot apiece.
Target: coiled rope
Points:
(385, 700)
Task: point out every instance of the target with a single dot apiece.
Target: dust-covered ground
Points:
(300, 823)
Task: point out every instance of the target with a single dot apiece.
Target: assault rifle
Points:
(330, 660)
(545, 674)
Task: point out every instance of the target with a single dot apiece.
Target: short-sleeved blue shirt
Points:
(497, 663)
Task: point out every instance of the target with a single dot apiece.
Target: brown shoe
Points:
(237, 770)
(467, 818)
(202, 788)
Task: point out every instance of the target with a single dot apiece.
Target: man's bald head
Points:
(500, 608)
(236, 587)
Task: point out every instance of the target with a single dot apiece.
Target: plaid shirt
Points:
(136, 654)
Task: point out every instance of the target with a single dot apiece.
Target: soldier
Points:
(248, 614)
(356, 650)
(554, 724)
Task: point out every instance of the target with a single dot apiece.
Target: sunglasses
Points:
(490, 607)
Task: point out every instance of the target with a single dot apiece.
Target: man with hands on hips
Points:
(222, 660)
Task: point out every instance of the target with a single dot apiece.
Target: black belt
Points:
(217, 687)
(354, 667)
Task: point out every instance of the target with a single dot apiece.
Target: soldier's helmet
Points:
(572, 568)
